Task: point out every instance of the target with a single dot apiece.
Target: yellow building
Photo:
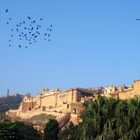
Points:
(69, 101)
(50, 101)
(133, 90)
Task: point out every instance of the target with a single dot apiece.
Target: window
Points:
(67, 105)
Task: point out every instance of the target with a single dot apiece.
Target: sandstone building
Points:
(54, 102)
(58, 103)
(123, 92)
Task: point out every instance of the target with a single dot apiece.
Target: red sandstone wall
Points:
(12, 115)
(27, 106)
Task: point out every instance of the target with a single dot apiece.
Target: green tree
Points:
(51, 130)
(17, 131)
(107, 119)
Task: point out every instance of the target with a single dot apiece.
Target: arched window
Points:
(74, 111)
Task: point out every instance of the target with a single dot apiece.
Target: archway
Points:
(74, 111)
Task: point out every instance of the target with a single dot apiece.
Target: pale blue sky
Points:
(94, 43)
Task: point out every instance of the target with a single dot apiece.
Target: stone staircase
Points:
(64, 120)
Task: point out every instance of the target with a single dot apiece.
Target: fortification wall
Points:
(130, 93)
(48, 101)
(28, 106)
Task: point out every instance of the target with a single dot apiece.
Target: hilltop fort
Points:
(61, 103)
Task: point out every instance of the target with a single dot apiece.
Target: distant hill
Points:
(10, 102)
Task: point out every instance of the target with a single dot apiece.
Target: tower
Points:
(8, 92)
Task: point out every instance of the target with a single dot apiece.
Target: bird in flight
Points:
(28, 31)
(29, 17)
(6, 10)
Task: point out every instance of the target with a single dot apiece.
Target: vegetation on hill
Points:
(107, 119)
(51, 130)
(103, 119)
(41, 117)
(18, 131)
(10, 102)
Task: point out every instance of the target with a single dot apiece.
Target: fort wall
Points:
(69, 101)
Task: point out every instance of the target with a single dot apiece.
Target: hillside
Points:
(10, 102)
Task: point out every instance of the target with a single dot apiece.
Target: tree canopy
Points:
(51, 130)
(107, 119)
(17, 131)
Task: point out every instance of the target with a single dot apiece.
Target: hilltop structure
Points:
(123, 92)
(61, 103)
(54, 102)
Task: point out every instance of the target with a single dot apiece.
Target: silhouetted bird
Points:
(6, 10)
(30, 32)
(29, 17)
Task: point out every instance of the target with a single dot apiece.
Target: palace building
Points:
(57, 102)
(54, 101)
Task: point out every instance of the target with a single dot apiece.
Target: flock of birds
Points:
(28, 32)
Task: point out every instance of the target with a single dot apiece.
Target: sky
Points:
(94, 43)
